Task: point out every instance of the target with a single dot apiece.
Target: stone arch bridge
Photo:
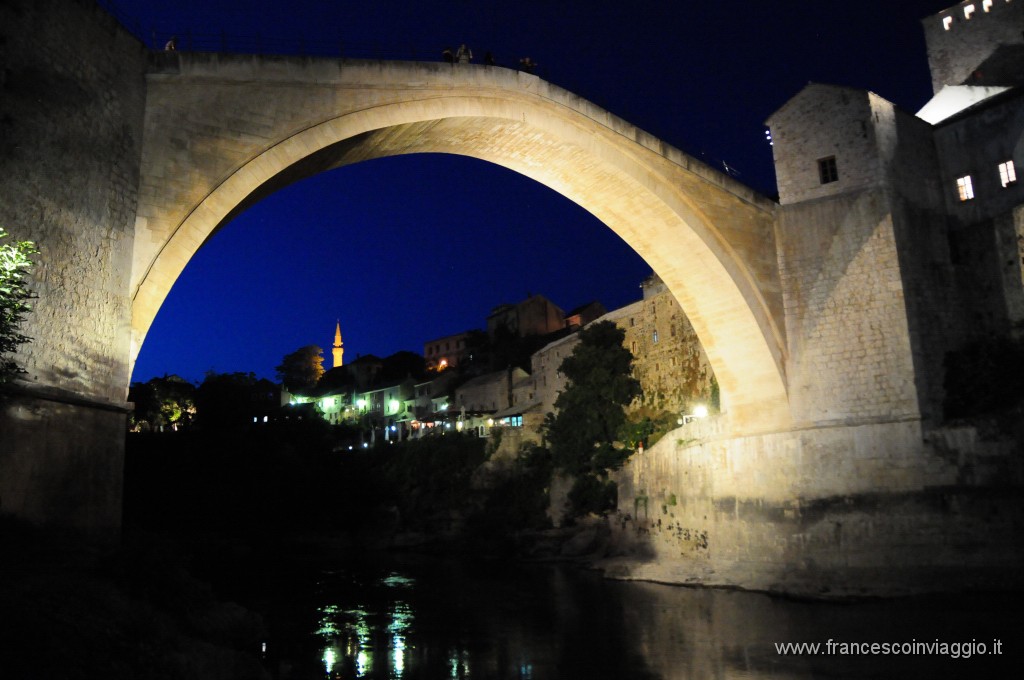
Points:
(223, 131)
(120, 163)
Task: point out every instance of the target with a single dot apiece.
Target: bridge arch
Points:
(710, 239)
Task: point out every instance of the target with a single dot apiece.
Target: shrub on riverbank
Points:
(429, 480)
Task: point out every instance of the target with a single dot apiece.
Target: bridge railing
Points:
(189, 41)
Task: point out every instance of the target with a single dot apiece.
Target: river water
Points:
(406, 618)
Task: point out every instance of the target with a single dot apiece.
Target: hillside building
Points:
(536, 315)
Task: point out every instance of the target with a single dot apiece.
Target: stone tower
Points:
(339, 347)
(976, 42)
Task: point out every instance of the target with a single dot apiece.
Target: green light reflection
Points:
(351, 636)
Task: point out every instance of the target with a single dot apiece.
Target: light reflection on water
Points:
(432, 619)
(351, 635)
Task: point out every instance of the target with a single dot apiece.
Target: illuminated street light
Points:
(699, 411)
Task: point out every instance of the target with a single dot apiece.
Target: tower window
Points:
(986, 5)
(655, 337)
(827, 170)
(968, 11)
(1007, 174)
(965, 188)
(947, 23)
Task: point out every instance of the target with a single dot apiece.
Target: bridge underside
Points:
(711, 242)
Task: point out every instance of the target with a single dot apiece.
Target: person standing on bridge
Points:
(172, 44)
(464, 55)
(447, 55)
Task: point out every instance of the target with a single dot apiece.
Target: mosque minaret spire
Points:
(339, 347)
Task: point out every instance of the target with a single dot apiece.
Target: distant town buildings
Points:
(396, 398)
(536, 315)
(449, 351)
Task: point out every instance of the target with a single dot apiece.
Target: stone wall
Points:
(844, 511)
(975, 146)
(824, 121)
(72, 120)
(72, 474)
(849, 342)
(668, 359)
(955, 53)
(935, 305)
(72, 97)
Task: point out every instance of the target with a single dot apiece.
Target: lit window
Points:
(1007, 174)
(968, 11)
(947, 22)
(986, 5)
(655, 337)
(964, 188)
(827, 170)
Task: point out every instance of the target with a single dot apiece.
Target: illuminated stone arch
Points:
(222, 133)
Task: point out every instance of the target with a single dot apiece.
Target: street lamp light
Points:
(699, 411)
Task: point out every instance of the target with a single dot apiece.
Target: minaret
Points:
(339, 347)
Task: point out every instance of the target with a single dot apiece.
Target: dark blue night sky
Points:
(403, 250)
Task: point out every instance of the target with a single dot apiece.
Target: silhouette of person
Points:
(446, 53)
(489, 59)
(528, 65)
(171, 44)
(464, 55)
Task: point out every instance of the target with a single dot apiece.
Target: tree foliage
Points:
(302, 368)
(233, 400)
(167, 402)
(591, 410)
(15, 265)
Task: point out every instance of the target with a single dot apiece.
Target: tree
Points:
(162, 402)
(591, 411)
(233, 400)
(302, 368)
(15, 265)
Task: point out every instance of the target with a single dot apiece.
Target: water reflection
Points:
(355, 632)
(449, 619)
